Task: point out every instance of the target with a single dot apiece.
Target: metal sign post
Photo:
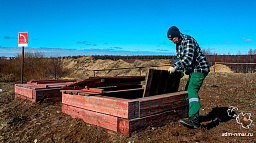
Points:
(22, 65)
(22, 42)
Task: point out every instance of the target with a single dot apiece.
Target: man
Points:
(192, 61)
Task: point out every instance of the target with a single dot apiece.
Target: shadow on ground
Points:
(216, 116)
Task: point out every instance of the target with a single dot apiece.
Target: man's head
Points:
(173, 34)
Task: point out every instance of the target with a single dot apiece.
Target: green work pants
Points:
(193, 86)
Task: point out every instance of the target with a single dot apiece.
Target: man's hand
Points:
(171, 70)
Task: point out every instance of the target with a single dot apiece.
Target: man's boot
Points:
(192, 122)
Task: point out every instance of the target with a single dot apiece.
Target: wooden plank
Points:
(24, 97)
(108, 81)
(79, 92)
(17, 89)
(127, 126)
(124, 126)
(125, 93)
(41, 85)
(54, 85)
(49, 81)
(109, 105)
(235, 63)
(111, 88)
(24, 91)
(34, 95)
(36, 87)
(97, 90)
(103, 84)
(88, 93)
(160, 103)
(102, 120)
(59, 84)
(50, 84)
(160, 82)
(24, 85)
(123, 90)
(123, 79)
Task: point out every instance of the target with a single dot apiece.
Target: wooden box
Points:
(44, 90)
(119, 104)
(126, 115)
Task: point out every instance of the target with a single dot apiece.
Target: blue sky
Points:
(118, 27)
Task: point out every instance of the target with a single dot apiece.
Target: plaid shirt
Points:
(190, 56)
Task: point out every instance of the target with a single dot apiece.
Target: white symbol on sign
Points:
(25, 40)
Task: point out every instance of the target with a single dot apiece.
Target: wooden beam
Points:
(127, 126)
(97, 90)
(160, 103)
(124, 126)
(108, 81)
(104, 84)
(102, 120)
(109, 105)
(49, 81)
(24, 97)
(235, 63)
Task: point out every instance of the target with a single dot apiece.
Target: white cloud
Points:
(13, 51)
(245, 39)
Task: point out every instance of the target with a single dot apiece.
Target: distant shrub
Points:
(36, 67)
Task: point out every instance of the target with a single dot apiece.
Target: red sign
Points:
(23, 39)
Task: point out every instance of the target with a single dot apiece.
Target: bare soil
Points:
(24, 121)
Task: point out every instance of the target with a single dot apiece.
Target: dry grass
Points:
(36, 67)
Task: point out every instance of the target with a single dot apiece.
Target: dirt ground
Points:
(24, 121)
